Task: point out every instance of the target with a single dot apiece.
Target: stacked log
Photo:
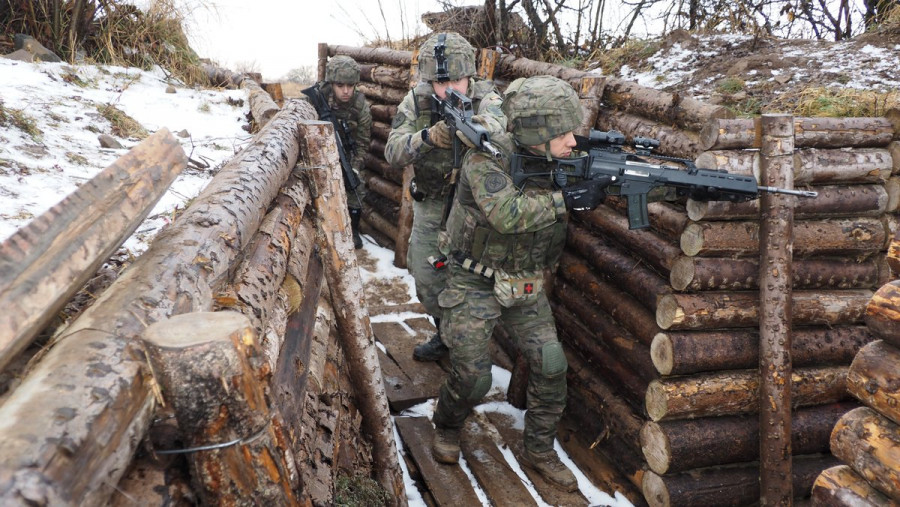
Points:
(684, 295)
(867, 439)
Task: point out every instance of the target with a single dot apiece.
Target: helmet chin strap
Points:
(547, 151)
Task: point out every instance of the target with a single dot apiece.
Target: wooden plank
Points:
(448, 484)
(499, 481)
(407, 382)
(513, 438)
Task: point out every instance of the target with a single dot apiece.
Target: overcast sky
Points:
(281, 35)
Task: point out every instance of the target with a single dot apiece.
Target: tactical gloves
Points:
(586, 194)
(438, 135)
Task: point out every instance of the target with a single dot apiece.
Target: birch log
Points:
(883, 313)
(870, 444)
(873, 378)
(43, 264)
(840, 486)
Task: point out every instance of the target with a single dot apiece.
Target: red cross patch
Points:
(529, 288)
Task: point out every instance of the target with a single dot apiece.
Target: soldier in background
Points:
(353, 122)
(445, 60)
(500, 239)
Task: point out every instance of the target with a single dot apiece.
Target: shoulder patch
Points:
(399, 118)
(495, 183)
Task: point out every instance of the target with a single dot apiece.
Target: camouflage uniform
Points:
(517, 233)
(433, 165)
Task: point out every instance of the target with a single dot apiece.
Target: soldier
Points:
(352, 117)
(445, 60)
(500, 238)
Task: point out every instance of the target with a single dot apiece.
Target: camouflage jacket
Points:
(358, 116)
(502, 226)
(434, 165)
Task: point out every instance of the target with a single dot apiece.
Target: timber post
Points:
(775, 282)
(405, 221)
(323, 59)
(235, 444)
(347, 298)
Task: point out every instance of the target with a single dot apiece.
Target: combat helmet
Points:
(540, 108)
(446, 57)
(342, 69)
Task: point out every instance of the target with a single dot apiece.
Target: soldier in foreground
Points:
(500, 238)
(445, 60)
(341, 103)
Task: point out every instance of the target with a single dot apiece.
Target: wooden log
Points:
(839, 486)
(388, 75)
(809, 133)
(894, 150)
(615, 371)
(262, 107)
(380, 238)
(606, 331)
(590, 92)
(381, 130)
(893, 254)
(93, 373)
(386, 56)
(387, 171)
(219, 400)
(811, 166)
(384, 113)
(872, 378)
(378, 222)
(833, 201)
(775, 310)
(870, 444)
(509, 65)
(742, 162)
(628, 312)
(892, 189)
(619, 268)
(832, 236)
(487, 63)
(376, 148)
(264, 265)
(219, 77)
(736, 392)
(644, 244)
(672, 141)
(712, 310)
(405, 220)
(715, 273)
(687, 352)
(669, 108)
(386, 208)
(322, 62)
(738, 485)
(43, 264)
(675, 446)
(348, 300)
(382, 186)
(382, 93)
(883, 313)
(893, 116)
(666, 219)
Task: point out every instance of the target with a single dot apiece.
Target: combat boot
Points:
(355, 215)
(433, 349)
(445, 447)
(551, 468)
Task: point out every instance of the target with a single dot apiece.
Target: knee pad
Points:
(481, 387)
(553, 360)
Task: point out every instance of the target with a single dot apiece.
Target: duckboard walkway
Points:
(491, 445)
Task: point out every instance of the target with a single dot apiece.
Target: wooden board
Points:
(448, 484)
(499, 481)
(513, 438)
(407, 382)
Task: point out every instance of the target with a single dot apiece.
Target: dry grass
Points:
(633, 52)
(122, 125)
(19, 119)
(820, 101)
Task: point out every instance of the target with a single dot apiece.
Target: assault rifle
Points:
(456, 110)
(341, 132)
(634, 177)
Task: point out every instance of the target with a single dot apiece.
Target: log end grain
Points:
(656, 447)
(668, 312)
(709, 136)
(656, 401)
(893, 116)
(696, 210)
(662, 353)
(682, 273)
(181, 331)
(692, 239)
(655, 491)
(892, 187)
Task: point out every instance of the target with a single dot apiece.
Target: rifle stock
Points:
(457, 111)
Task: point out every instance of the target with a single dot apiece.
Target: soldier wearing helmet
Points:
(445, 60)
(353, 121)
(500, 239)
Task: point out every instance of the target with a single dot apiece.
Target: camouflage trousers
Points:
(470, 312)
(422, 245)
(355, 196)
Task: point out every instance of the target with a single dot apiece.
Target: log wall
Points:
(682, 298)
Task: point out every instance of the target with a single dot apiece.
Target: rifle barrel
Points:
(490, 148)
(801, 193)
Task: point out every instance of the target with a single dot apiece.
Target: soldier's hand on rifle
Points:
(586, 194)
(439, 135)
